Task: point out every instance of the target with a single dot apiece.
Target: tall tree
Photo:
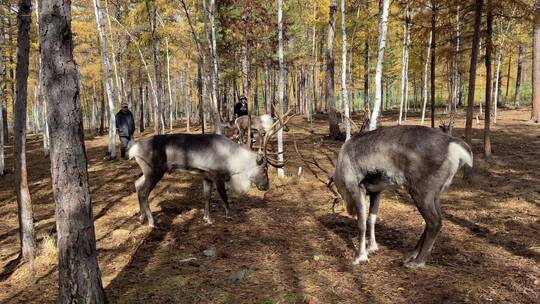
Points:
(433, 61)
(405, 62)
(383, 26)
(158, 108)
(106, 76)
(24, 203)
(517, 97)
(489, 51)
(536, 66)
(472, 71)
(2, 96)
(280, 171)
(78, 270)
(344, 92)
(333, 122)
(214, 74)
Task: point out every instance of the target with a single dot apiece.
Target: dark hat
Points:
(242, 97)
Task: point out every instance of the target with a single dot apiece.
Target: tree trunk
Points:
(159, 124)
(169, 85)
(517, 98)
(366, 72)
(508, 77)
(497, 86)
(2, 95)
(315, 100)
(113, 53)
(280, 171)
(535, 116)
(335, 133)
(405, 63)
(472, 73)
(24, 203)
(425, 86)
(344, 92)
(489, 51)
(433, 61)
(383, 27)
(214, 74)
(457, 75)
(107, 77)
(78, 269)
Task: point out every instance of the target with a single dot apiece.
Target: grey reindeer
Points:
(220, 161)
(423, 160)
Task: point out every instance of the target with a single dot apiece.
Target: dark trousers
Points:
(125, 142)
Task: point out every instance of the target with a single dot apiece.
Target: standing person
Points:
(241, 107)
(125, 126)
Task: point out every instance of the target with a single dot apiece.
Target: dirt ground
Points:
(286, 245)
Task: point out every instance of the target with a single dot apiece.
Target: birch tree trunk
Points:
(497, 86)
(280, 171)
(424, 90)
(535, 116)
(78, 269)
(159, 124)
(517, 97)
(472, 74)
(106, 76)
(344, 92)
(113, 53)
(366, 72)
(433, 62)
(489, 51)
(332, 116)
(214, 75)
(24, 202)
(457, 78)
(405, 64)
(383, 26)
(314, 58)
(169, 84)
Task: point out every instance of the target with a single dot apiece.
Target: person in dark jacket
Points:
(241, 107)
(125, 126)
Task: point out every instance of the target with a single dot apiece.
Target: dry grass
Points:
(286, 245)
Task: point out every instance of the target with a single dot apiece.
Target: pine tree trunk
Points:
(383, 27)
(24, 203)
(78, 270)
(472, 73)
(457, 75)
(508, 77)
(425, 82)
(497, 86)
(344, 92)
(314, 99)
(535, 116)
(489, 51)
(107, 78)
(366, 72)
(159, 124)
(335, 133)
(2, 96)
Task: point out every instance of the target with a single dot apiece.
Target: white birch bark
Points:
(118, 90)
(405, 65)
(169, 83)
(344, 92)
(280, 172)
(425, 89)
(497, 80)
(214, 74)
(106, 76)
(383, 28)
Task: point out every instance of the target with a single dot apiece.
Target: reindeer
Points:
(263, 124)
(220, 161)
(423, 160)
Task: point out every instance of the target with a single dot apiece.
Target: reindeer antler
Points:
(282, 120)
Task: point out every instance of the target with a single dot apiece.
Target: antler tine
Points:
(311, 161)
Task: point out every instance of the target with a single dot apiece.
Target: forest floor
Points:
(286, 245)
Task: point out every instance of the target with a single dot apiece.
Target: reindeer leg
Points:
(374, 200)
(431, 212)
(359, 198)
(220, 185)
(207, 191)
(144, 185)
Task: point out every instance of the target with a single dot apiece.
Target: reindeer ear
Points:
(260, 159)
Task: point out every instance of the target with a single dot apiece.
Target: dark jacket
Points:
(240, 109)
(125, 124)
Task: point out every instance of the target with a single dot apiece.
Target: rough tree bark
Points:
(344, 92)
(214, 74)
(2, 96)
(433, 61)
(383, 26)
(24, 203)
(78, 270)
(535, 116)
(472, 73)
(159, 124)
(335, 133)
(405, 62)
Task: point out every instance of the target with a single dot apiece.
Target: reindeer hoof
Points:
(361, 259)
(414, 264)
(373, 247)
(410, 257)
